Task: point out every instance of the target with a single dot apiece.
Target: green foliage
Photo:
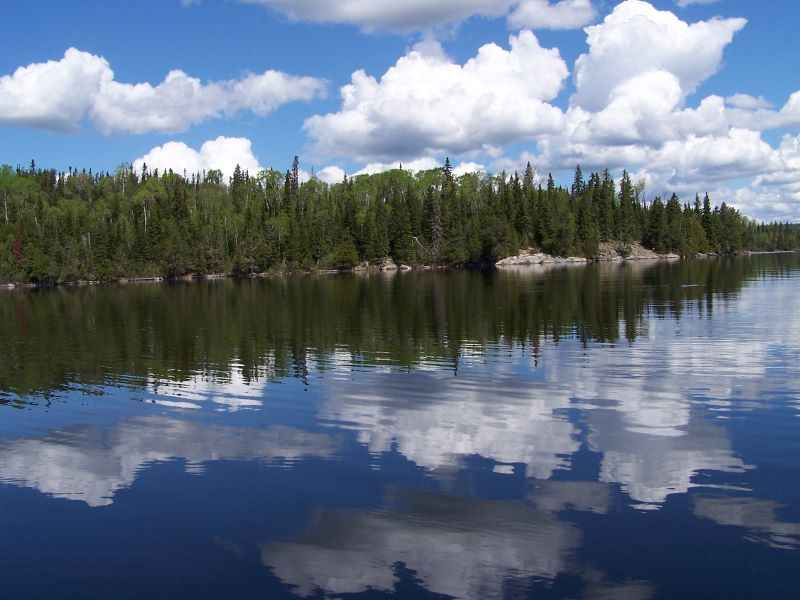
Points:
(57, 227)
(344, 255)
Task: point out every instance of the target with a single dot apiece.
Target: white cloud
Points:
(775, 193)
(541, 14)
(636, 38)
(418, 15)
(55, 94)
(741, 153)
(181, 101)
(790, 113)
(747, 102)
(635, 109)
(467, 168)
(331, 175)
(427, 104)
(418, 164)
(62, 94)
(410, 15)
(424, 163)
(222, 154)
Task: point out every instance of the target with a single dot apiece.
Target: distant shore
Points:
(526, 258)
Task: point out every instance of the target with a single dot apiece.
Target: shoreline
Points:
(523, 260)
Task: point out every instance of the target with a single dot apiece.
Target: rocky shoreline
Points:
(608, 252)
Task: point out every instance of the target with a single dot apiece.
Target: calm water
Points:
(611, 431)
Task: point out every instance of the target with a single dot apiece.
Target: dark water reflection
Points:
(586, 432)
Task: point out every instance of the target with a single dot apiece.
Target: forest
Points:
(78, 225)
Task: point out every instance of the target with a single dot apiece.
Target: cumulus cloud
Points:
(790, 113)
(541, 14)
(775, 193)
(410, 15)
(62, 94)
(181, 101)
(54, 94)
(468, 168)
(417, 15)
(747, 102)
(418, 164)
(427, 103)
(222, 154)
(636, 38)
(331, 175)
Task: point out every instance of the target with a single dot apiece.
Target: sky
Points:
(690, 96)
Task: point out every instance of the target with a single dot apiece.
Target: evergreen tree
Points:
(588, 230)
(578, 185)
(656, 234)
(708, 222)
(626, 224)
(676, 236)
(432, 226)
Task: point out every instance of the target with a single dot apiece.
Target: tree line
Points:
(78, 225)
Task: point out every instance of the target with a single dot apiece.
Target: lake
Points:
(622, 431)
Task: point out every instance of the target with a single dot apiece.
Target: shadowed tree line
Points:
(57, 227)
(287, 327)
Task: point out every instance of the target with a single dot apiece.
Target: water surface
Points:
(611, 431)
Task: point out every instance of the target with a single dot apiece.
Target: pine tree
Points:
(588, 230)
(626, 226)
(578, 185)
(708, 222)
(432, 225)
(400, 239)
(453, 249)
(295, 177)
(527, 180)
(377, 232)
(676, 236)
(605, 207)
(656, 235)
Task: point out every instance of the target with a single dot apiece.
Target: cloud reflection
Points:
(91, 464)
(758, 517)
(436, 419)
(463, 548)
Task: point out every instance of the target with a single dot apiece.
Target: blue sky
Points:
(749, 157)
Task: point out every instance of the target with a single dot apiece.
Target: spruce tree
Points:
(626, 226)
(432, 226)
(578, 185)
(676, 236)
